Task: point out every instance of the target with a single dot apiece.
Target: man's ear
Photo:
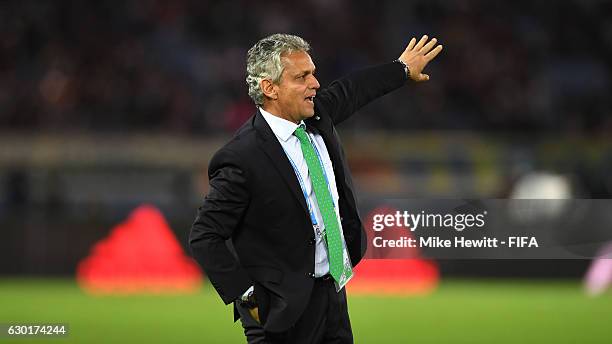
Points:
(269, 89)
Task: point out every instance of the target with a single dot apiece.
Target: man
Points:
(279, 232)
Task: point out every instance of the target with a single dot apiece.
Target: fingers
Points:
(255, 314)
(421, 43)
(411, 44)
(429, 45)
(432, 54)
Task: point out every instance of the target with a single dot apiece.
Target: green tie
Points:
(339, 271)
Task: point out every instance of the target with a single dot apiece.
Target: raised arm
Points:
(346, 95)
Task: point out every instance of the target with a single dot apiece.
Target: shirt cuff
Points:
(245, 296)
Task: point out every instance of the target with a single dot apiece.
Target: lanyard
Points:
(303, 185)
(313, 219)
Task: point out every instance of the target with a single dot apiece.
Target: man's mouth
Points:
(310, 99)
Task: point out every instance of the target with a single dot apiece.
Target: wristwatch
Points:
(248, 300)
(406, 69)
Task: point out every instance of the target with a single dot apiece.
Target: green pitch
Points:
(458, 312)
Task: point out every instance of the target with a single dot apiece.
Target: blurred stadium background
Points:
(106, 106)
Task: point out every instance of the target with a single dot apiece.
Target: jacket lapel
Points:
(270, 145)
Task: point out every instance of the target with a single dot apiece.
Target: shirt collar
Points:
(282, 128)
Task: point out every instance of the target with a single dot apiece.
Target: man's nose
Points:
(315, 83)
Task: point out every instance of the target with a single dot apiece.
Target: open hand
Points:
(417, 56)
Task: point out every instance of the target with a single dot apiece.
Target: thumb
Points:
(423, 77)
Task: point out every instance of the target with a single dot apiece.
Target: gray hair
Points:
(264, 61)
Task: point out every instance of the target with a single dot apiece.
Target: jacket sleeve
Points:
(346, 95)
(216, 222)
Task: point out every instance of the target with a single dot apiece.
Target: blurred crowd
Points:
(179, 66)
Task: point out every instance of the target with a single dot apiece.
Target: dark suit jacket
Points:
(256, 202)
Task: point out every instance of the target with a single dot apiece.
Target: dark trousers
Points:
(325, 320)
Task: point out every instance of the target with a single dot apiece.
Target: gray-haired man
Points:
(281, 195)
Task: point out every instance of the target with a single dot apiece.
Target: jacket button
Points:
(311, 241)
(310, 274)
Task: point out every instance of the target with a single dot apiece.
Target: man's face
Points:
(297, 87)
